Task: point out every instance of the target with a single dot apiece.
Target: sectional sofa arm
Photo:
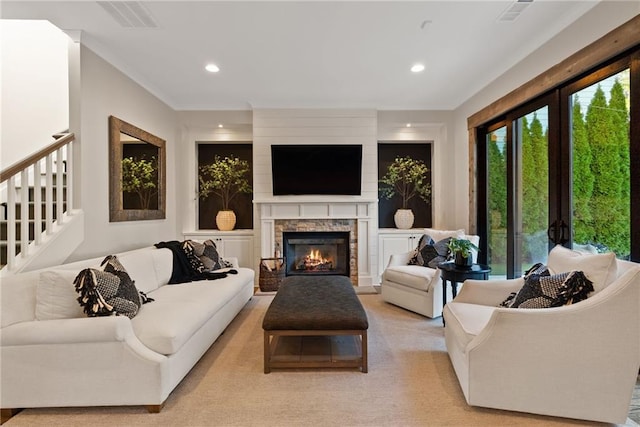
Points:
(605, 319)
(488, 292)
(68, 331)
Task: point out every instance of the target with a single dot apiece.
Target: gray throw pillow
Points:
(207, 253)
(430, 253)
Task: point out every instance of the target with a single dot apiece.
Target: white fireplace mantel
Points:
(363, 211)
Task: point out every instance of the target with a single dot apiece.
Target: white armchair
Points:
(415, 287)
(577, 361)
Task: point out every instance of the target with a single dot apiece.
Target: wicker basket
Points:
(271, 274)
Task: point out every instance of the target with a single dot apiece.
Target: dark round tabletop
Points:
(451, 267)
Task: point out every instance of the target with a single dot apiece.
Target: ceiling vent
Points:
(129, 14)
(514, 10)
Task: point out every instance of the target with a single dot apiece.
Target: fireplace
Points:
(316, 252)
(358, 218)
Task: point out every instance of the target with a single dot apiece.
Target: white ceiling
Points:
(315, 54)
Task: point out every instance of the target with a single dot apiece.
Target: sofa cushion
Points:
(544, 291)
(600, 269)
(467, 320)
(180, 310)
(56, 296)
(149, 267)
(413, 276)
(430, 253)
(107, 292)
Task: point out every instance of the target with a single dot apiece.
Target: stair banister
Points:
(23, 164)
(27, 173)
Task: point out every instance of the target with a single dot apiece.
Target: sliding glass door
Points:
(560, 170)
(518, 191)
(600, 158)
(496, 221)
(531, 201)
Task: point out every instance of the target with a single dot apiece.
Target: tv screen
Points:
(316, 169)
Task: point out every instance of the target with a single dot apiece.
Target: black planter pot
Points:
(462, 261)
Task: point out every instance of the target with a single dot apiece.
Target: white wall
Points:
(600, 20)
(434, 127)
(35, 87)
(311, 126)
(317, 126)
(106, 91)
(198, 126)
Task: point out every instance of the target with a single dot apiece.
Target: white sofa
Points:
(103, 361)
(415, 287)
(576, 361)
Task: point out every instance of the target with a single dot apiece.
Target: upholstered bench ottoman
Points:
(308, 306)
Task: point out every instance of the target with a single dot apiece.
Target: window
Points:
(560, 170)
(600, 146)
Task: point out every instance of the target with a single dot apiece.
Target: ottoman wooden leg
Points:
(365, 352)
(267, 353)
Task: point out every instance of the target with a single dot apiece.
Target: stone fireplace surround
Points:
(357, 217)
(282, 225)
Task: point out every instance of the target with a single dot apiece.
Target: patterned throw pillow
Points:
(108, 292)
(193, 252)
(542, 290)
(540, 269)
(208, 255)
(430, 253)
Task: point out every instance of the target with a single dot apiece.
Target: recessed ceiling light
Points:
(212, 68)
(417, 68)
(220, 125)
(408, 125)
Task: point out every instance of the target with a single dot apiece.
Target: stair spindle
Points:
(59, 186)
(37, 202)
(11, 220)
(24, 212)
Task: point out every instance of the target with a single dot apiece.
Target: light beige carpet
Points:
(410, 383)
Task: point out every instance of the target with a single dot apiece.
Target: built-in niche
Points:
(137, 173)
(242, 205)
(387, 152)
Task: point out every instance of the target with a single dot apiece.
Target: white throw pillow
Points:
(56, 296)
(601, 269)
(438, 235)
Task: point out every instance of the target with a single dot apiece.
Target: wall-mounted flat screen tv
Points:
(316, 169)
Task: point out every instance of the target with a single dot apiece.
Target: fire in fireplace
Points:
(316, 252)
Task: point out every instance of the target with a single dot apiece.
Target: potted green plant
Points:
(406, 177)
(460, 250)
(225, 178)
(140, 177)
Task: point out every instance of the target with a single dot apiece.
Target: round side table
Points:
(454, 274)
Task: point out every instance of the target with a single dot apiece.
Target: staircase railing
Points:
(36, 194)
